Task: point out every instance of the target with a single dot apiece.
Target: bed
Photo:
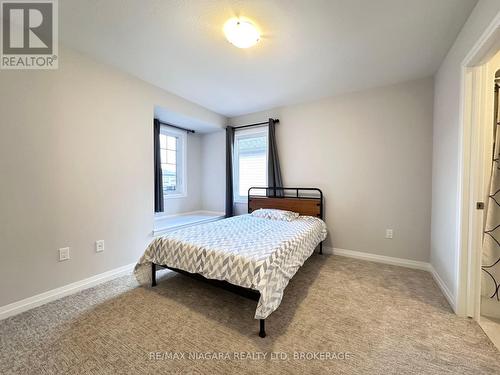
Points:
(253, 254)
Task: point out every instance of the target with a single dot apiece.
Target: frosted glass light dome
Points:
(241, 33)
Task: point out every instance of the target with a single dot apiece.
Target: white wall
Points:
(370, 152)
(76, 166)
(213, 173)
(445, 173)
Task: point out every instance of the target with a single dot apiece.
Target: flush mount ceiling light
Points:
(241, 33)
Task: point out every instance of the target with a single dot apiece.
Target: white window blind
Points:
(250, 166)
(172, 155)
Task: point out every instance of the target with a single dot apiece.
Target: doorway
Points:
(479, 125)
(489, 308)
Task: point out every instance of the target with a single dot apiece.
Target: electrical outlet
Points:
(99, 246)
(64, 254)
(388, 234)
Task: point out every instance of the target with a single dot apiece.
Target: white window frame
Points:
(181, 161)
(244, 134)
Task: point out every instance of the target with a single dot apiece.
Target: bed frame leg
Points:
(262, 331)
(153, 274)
(321, 247)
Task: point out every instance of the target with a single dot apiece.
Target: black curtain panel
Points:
(157, 167)
(229, 171)
(273, 167)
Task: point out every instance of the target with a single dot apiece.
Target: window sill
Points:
(175, 196)
(167, 223)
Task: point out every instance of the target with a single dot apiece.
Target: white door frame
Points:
(475, 163)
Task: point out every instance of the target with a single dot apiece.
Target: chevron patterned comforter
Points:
(251, 252)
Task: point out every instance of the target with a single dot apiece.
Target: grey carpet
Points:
(390, 320)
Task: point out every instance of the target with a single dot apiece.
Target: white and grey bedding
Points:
(274, 214)
(248, 251)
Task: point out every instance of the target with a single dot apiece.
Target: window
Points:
(250, 161)
(172, 155)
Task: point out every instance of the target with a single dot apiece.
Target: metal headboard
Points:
(296, 199)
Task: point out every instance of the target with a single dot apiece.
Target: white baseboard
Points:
(447, 293)
(51, 295)
(397, 262)
(379, 258)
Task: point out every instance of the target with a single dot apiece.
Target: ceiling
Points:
(309, 48)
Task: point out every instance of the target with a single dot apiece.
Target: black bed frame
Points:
(269, 197)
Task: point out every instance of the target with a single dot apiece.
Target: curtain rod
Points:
(175, 126)
(256, 124)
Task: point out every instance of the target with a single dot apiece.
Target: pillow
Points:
(273, 214)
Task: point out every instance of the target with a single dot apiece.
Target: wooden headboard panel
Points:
(305, 201)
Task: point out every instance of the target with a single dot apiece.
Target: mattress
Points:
(251, 252)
